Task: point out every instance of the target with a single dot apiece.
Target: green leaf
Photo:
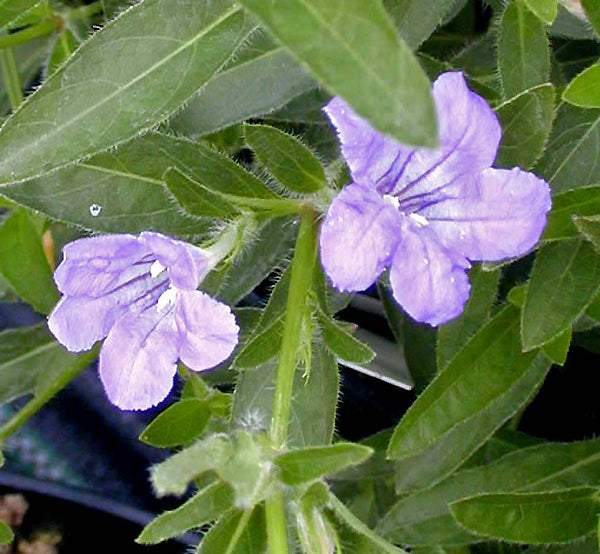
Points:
(23, 263)
(237, 533)
(25, 354)
(583, 91)
(299, 466)
(342, 343)
(262, 78)
(65, 44)
(264, 252)
(526, 123)
(178, 424)
(589, 227)
(6, 533)
(196, 199)
(537, 518)
(563, 282)
(571, 157)
(558, 349)
(173, 475)
(100, 98)
(205, 506)
(370, 541)
(417, 19)
(546, 10)
(266, 337)
(11, 10)
(592, 10)
(286, 158)
(29, 57)
(380, 78)
(424, 517)
(523, 50)
(127, 185)
(313, 406)
(584, 201)
(455, 334)
(483, 385)
(419, 340)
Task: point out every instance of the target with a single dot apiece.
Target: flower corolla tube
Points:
(426, 213)
(139, 292)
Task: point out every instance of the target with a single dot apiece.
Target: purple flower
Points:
(425, 213)
(140, 293)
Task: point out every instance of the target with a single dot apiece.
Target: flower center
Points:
(166, 299)
(156, 269)
(419, 219)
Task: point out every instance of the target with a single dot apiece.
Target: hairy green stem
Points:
(41, 399)
(276, 523)
(300, 283)
(12, 79)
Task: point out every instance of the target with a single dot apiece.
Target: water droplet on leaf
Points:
(95, 210)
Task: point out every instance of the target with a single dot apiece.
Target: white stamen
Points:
(419, 220)
(156, 269)
(392, 200)
(166, 299)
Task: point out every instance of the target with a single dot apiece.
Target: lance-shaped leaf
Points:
(100, 98)
(523, 50)
(543, 468)
(563, 282)
(417, 19)
(572, 156)
(424, 517)
(207, 505)
(546, 10)
(536, 518)
(11, 10)
(25, 354)
(342, 343)
(178, 424)
(238, 532)
(312, 418)
(484, 384)
(379, 78)
(23, 263)
(260, 79)
(266, 337)
(286, 158)
(307, 464)
(127, 187)
(583, 90)
(526, 124)
(592, 10)
(368, 541)
(456, 333)
(584, 201)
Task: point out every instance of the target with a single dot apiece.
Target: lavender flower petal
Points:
(469, 137)
(370, 155)
(91, 266)
(186, 264)
(207, 330)
(139, 359)
(79, 332)
(358, 237)
(428, 280)
(493, 215)
(79, 321)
